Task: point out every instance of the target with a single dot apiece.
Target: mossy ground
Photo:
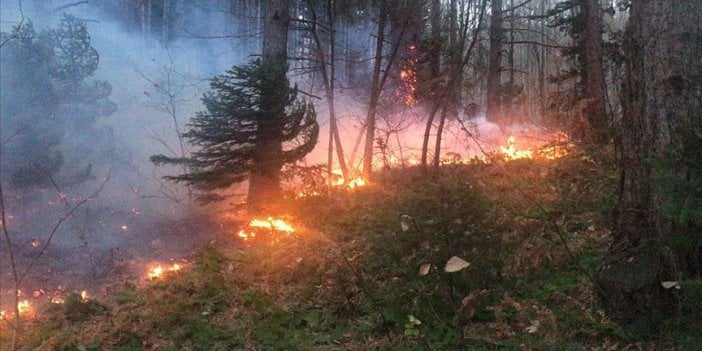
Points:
(348, 279)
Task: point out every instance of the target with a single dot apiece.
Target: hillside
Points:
(367, 270)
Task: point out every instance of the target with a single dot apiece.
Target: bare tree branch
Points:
(74, 4)
(58, 225)
(21, 22)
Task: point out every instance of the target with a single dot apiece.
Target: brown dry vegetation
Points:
(347, 279)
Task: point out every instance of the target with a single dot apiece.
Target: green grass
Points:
(349, 278)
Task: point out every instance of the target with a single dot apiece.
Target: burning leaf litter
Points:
(272, 224)
(159, 270)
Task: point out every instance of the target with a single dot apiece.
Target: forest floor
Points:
(366, 270)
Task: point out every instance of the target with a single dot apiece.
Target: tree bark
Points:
(595, 111)
(493, 113)
(374, 95)
(264, 184)
(439, 136)
(661, 97)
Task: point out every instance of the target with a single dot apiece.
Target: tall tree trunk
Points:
(661, 98)
(330, 95)
(328, 79)
(595, 112)
(495, 66)
(452, 87)
(508, 108)
(264, 184)
(435, 54)
(435, 70)
(374, 95)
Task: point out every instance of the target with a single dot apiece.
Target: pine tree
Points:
(247, 110)
(50, 105)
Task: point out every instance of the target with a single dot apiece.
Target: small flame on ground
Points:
(340, 182)
(274, 224)
(511, 152)
(356, 182)
(57, 300)
(24, 307)
(159, 270)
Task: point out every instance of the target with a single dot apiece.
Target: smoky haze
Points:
(83, 204)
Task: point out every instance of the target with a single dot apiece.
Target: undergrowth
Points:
(366, 271)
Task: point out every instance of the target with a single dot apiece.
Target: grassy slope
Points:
(348, 279)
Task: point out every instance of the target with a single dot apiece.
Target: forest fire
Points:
(349, 184)
(58, 299)
(511, 152)
(24, 308)
(337, 181)
(518, 150)
(548, 152)
(272, 224)
(158, 271)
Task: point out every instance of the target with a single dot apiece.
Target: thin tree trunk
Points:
(508, 113)
(447, 95)
(439, 132)
(452, 89)
(330, 95)
(329, 84)
(493, 113)
(374, 95)
(435, 69)
(427, 133)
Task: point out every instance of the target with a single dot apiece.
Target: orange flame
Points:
(512, 153)
(273, 224)
(356, 182)
(24, 307)
(351, 183)
(158, 271)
